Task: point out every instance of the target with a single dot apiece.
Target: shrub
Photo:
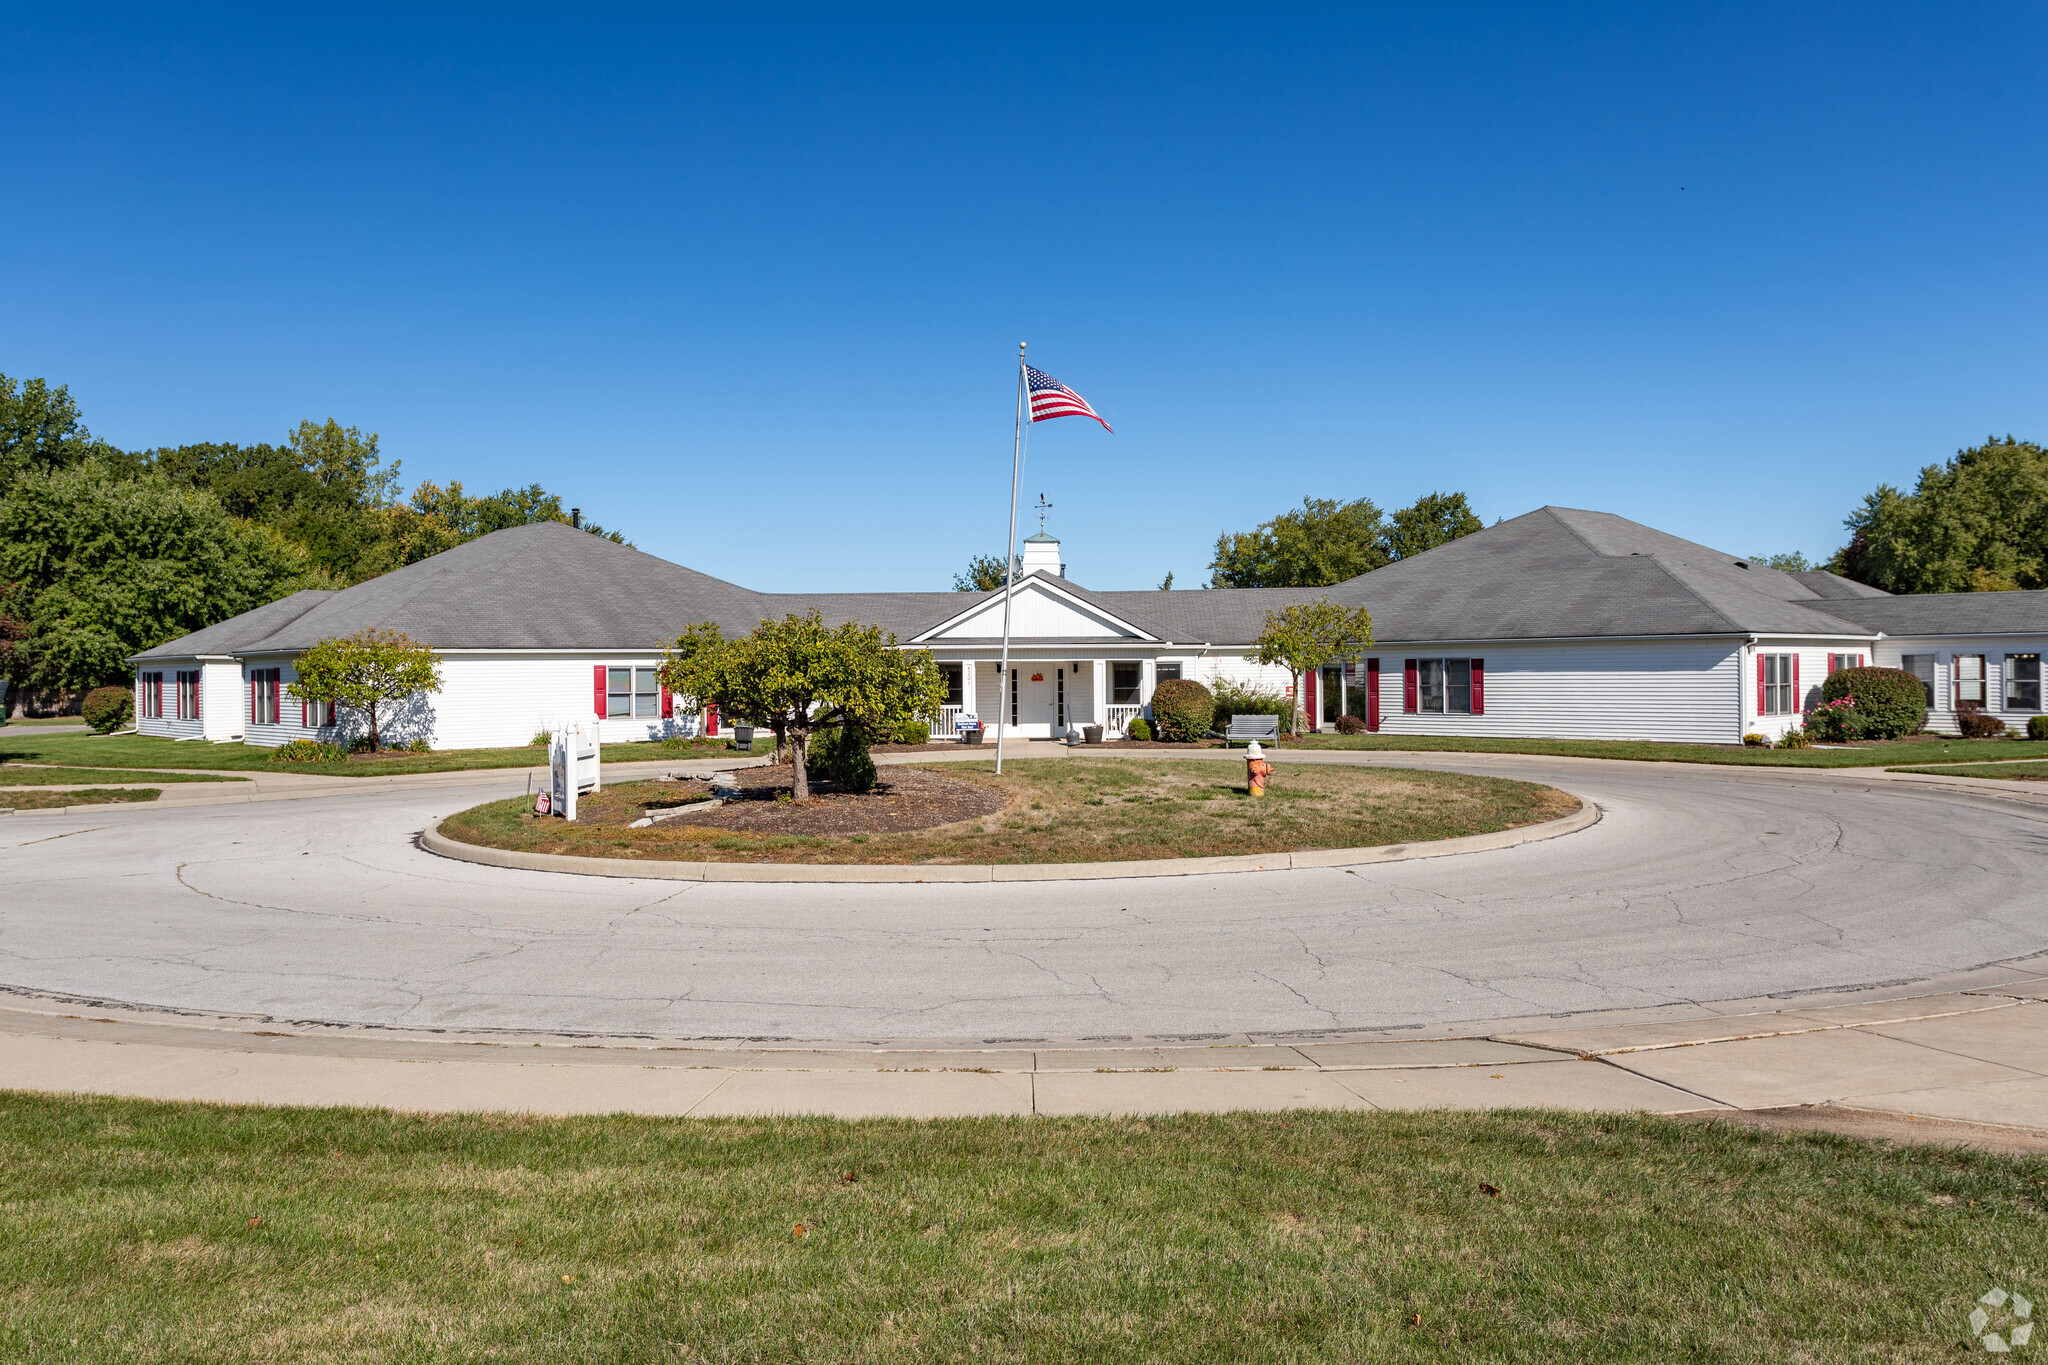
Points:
(840, 756)
(307, 751)
(1974, 724)
(913, 732)
(1350, 725)
(1890, 702)
(2037, 727)
(1235, 700)
(1795, 738)
(417, 746)
(542, 739)
(362, 744)
(1835, 722)
(107, 709)
(1139, 728)
(1182, 710)
(1754, 740)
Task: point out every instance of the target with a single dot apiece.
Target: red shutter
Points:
(668, 703)
(597, 674)
(1409, 698)
(197, 691)
(159, 694)
(1309, 680)
(711, 719)
(1479, 687)
(1762, 699)
(302, 714)
(1372, 694)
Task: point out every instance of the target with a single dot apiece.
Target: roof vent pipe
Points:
(575, 517)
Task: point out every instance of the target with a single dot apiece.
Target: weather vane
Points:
(1043, 508)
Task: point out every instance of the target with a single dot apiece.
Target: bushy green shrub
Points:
(2037, 727)
(840, 756)
(1139, 728)
(1794, 738)
(1182, 710)
(542, 739)
(1890, 702)
(913, 732)
(1971, 720)
(107, 709)
(417, 746)
(1235, 700)
(307, 751)
(361, 744)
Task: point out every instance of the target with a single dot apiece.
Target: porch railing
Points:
(947, 724)
(1116, 718)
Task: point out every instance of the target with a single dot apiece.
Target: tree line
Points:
(105, 551)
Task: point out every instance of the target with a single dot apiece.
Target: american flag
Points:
(1050, 398)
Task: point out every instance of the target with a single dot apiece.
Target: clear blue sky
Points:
(750, 290)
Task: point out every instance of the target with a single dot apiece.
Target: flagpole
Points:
(1010, 568)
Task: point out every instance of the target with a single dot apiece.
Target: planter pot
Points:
(1091, 734)
(970, 736)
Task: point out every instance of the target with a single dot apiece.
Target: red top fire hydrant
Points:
(1256, 770)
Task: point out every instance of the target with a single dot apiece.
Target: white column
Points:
(1147, 680)
(1098, 677)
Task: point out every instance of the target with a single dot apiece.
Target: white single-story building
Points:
(1560, 623)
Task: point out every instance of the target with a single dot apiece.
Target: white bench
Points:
(1244, 729)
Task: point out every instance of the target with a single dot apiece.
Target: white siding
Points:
(1035, 612)
(1678, 690)
(1891, 653)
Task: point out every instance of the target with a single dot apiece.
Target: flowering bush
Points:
(1836, 722)
(1756, 741)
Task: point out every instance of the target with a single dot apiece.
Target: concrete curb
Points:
(433, 841)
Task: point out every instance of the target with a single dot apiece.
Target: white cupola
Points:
(1041, 555)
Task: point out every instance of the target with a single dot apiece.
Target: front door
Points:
(1035, 699)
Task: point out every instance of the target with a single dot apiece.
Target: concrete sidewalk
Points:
(1965, 1059)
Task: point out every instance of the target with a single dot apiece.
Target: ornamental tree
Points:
(798, 676)
(367, 671)
(1305, 636)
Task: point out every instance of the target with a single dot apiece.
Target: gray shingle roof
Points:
(1951, 613)
(1553, 573)
(237, 632)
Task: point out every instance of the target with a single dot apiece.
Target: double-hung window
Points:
(152, 707)
(263, 688)
(1969, 671)
(1779, 685)
(1125, 680)
(2022, 682)
(188, 695)
(632, 692)
(1444, 685)
(1921, 666)
(319, 714)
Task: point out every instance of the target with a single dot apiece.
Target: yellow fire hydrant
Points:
(1256, 770)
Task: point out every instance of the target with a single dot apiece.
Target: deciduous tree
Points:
(1323, 541)
(1306, 636)
(1432, 520)
(366, 672)
(984, 574)
(1976, 523)
(798, 676)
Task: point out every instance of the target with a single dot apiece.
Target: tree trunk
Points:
(1300, 710)
(376, 739)
(799, 754)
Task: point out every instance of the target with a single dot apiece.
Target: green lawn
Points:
(15, 775)
(2036, 771)
(44, 721)
(76, 796)
(141, 1232)
(1874, 755)
(147, 751)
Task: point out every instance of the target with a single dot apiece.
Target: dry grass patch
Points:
(75, 796)
(1068, 810)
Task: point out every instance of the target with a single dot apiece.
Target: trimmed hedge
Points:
(1890, 702)
(1182, 710)
(107, 709)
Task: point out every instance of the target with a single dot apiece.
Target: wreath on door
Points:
(1038, 677)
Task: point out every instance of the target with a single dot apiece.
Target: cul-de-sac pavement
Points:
(1721, 937)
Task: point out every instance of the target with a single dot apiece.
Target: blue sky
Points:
(750, 289)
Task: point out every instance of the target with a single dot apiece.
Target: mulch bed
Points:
(905, 799)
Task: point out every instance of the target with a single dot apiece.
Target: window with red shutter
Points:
(1409, 699)
(1479, 687)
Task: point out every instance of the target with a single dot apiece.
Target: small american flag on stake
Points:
(1050, 398)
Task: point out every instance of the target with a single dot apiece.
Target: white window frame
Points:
(635, 675)
(1446, 686)
(1780, 692)
(188, 694)
(268, 684)
(1912, 663)
(1982, 682)
(152, 707)
(2010, 679)
(319, 714)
